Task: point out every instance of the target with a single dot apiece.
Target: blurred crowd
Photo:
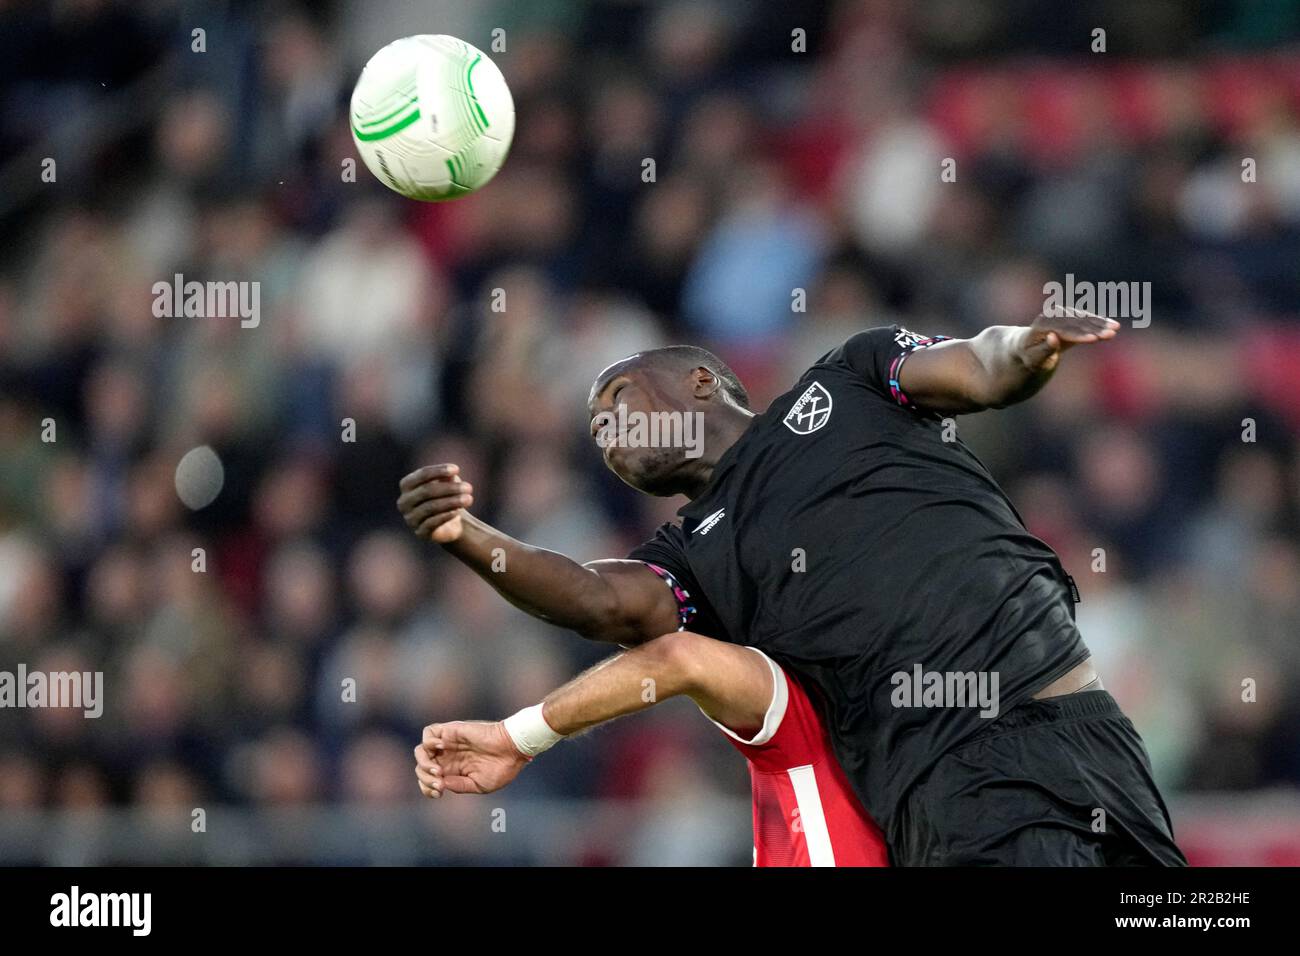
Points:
(795, 197)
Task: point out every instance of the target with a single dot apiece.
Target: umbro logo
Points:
(810, 412)
(710, 521)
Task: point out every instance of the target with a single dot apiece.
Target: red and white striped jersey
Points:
(805, 812)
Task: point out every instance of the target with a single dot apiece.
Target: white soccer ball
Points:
(432, 117)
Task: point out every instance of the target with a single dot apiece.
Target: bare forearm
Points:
(1000, 366)
(624, 684)
(613, 601)
(483, 756)
(623, 602)
(731, 684)
(542, 583)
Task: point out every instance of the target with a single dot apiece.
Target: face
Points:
(620, 395)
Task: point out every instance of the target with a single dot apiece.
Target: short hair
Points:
(684, 357)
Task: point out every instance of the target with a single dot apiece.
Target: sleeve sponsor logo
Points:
(907, 339)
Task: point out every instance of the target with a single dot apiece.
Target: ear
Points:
(704, 383)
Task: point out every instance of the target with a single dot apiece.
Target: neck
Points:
(722, 429)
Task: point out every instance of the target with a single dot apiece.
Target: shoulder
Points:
(866, 342)
(883, 341)
(666, 547)
(876, 356)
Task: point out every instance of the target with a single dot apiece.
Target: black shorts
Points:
(1059, 782)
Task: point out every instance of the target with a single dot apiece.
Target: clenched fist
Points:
(433, 500)
(466, 756)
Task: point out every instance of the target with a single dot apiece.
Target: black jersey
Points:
(854, 538)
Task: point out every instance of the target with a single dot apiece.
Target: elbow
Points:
(606, 614)
(675, 662)
(596, 614)
(994, 398)
(601, 619)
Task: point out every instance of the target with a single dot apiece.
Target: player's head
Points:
(663, 458)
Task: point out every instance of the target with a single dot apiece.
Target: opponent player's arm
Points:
(622, 602)
(731, 684)
(1002, 365)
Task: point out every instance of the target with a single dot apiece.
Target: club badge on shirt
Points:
(811, 411)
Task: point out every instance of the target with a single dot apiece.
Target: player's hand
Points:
(466, 756)
(1050, 335)
(432, 501)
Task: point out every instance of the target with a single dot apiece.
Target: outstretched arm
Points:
(621, 602)
(1002, 365)
(731, 684)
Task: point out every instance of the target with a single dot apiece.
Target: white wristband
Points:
(530, 731)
